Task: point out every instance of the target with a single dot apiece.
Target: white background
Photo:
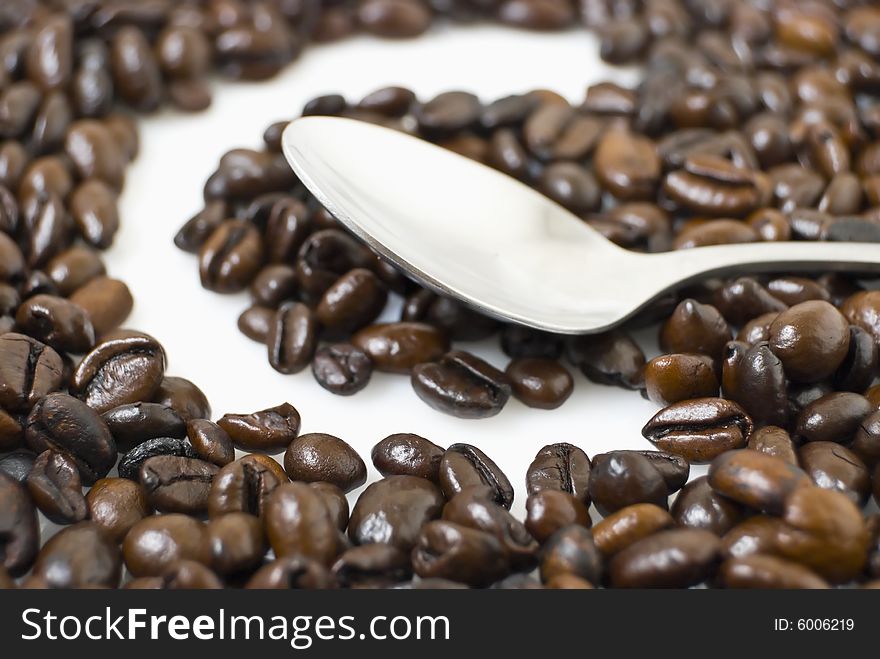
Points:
(198, 328)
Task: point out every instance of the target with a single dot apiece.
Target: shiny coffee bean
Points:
(342, 368)
(210, 442)
(29, 370)
(698, 506)
(744, 299)
(298, 523)
(372, 566)
(183, 397)
(57, 322)
(863, 309)
(315, 457)
(292, 572)
(563, 467)
(79, 556)
(699, 429)
(393, 510)
(540, 383)
(458, 553)
(458, 322)
(462, 385)
(620, 479)
(134, 423)
(676, 377)
(766, 572)
(177, 484)
(835, 467)
(267, 430)
(406, 454)
(335, 501)
(571, 551)
(116, 505)
(674, 558)
(94, 208)
(157, 542)
(230, 257)
(524, 342)
(613, 358)
(695, 327)
(17, 464)
(548, 511)
(354, 301)
(243, 486)
(835, 417)
(755, 479)
(54, 485)
(106, 302)
(622, 528)
(255, 323)
(774, 441)
(754, 377)
(859, 367)
(19, 527)
(811, 339)
(237, 543)
(464, 465)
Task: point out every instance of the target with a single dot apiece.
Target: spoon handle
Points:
(722, 260)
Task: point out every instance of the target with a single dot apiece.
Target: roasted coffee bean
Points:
(627, 164)
(11, 431)
(342, 368)
(399, 347)
(183, 397)
(116, 505)
(612, 358)
(57, 322)
(825, 532)
(19, 528)
(673, 468)
(106, 302)
(200, 226)
(298, 522)
(393, 510)
(237, 542)
(863, 309)
(210, 442)
(524, 342)
(755, 479)
(571, 551)
(230, 257)
(407, 454)
(811, 339)
(555, 131)
(754, 377)
(176, 484)
(795, 290)
(293, 572)
(12, 264)
(135, 69)
(758, 571)
(673, 558)
(274, 284)
(73, 268)
(394, 18)
(571, 186)
(79, 556)
(562, 467)
(243, 486)
(867, 440)
(619, 479)
(464, 465)
(255, 323)
(859, 367)
(541, 383)
(676, 377)
(93, 206)
(695, 327)
(835, 417)
(317, 457)
(376, 565)
(698, 506)
(94, 152)
(457, 321)
(130, 464)
(54, 485)
(134, 423)
(699, 429)
(17, 464)
(547, 511)
(292, 338)
(462, 385)
(451, 551)
(622, 528)
(835, 467)
(774, 441)
(744, 299)
(65, 424)
(268, 430)
(354, 301)
(156, 543)
(29, 370)
(335, 501)
(388, 101)
(125, 367)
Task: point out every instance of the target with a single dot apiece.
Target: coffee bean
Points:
(622, 528)
(293, 572)
(677, 377)
(116, 505)
(73, 268)
(674, 470)
(621, 479)
(863, 309)
(65, 424)
(756, 480)
(130, 464)
(835, 467)
(673, 558)
(125, 367)
(57, 322)
(554, 131)
(134, 423)
(267, 430)
(858, 369)
(695, 327)
(699, 429)
(292, 338)
(54, 484)
(183, 397)
(399, 347)
(342, 368)
(612, 358)
(29, 370)
(243, 486)
(541, 383)
(156, 543)
(79, 556)
(462, 385)
(563, 467)
(811, 339)
(255, 323)
(407, 454)
(458, 322)
(627, 164)
(176, 484)
(464, 465)
(210, 442)
(548, 511)
(393, 18)
(298, 522)
(354, 301)
(17, 464)
(106, 302)
(774, 441)
(237, 542)
(393, 510)
(765, 572)
(19, 528)
(230, 257)
(450, 551)
(93, 206)
(372, 566)
(835, 417)
(320, 457)
(698, 506)
(571, 551)
(754, 377)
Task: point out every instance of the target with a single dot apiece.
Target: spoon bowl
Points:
(473, 233)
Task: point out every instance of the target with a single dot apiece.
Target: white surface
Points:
(198, 328)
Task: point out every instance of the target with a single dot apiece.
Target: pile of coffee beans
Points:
(754, 121)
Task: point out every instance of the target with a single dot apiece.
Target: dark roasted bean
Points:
(237, 542)
(619, 479)
(292, 338)
(613, 358)
(455, 552)
(541, 383)
(835, 467)
(54, 485)
(157, 542)
(408, 455)
(28, 371)
(57, 322)
(774, 441)
(183, 397)
(622, 528)
(268, 430)
(79, 556)
(342, 368)
(317, 457)
(676, 377)
(130, 464)
(230, 257)
(811, 339)
(755, 479)
(116, 505)
(668, 559)
(462, 385)
(698, 506)
(547, 511)
(243, 486)
(464, 465)
(210, 442)
(571, 551)
(298, 522)
(695, 327)
(753, 376)
(399, 347)
(176, 484)
(293, 572)
(19, 528)
(134, 423)
(835, 417)
(562, 467)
